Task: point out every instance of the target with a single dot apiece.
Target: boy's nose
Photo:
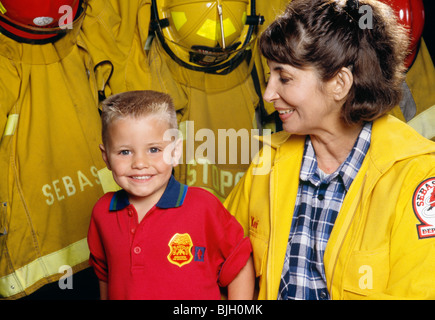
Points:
(140, 162)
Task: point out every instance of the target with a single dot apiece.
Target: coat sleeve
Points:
(412, 239)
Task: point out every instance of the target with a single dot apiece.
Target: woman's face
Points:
(303, 107)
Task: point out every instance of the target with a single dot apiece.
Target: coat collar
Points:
(392, 140)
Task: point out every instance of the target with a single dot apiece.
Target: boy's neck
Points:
(143, 206)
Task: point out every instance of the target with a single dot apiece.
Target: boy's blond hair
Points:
(137, 104)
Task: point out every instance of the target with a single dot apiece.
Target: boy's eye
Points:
(154, 150)
(125, 152)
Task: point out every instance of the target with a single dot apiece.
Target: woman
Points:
(345, 211)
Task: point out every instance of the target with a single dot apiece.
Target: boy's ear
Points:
(341, 84)
(104, 155)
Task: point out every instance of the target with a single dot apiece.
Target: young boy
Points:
(157, 238)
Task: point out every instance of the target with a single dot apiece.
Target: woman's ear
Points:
(342, 83)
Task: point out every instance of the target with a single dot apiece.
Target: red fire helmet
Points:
(38, 22)
(410, 14)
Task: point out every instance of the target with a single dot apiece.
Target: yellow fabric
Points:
(374, 250)
(421, 81)
(28, 276)
(117, 31)
(48, 162)
(424, 123)
(107, 182)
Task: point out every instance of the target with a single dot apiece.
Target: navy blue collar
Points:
(173, 197)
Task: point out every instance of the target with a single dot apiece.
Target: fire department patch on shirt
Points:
(423, 203)
(180, 252)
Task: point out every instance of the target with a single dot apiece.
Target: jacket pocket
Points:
(259, 249)
(367, 272)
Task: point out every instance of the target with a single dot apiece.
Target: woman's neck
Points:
(332, 148)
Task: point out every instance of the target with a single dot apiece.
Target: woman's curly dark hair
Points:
(329, 35)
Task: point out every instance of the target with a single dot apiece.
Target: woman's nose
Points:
(270, 93)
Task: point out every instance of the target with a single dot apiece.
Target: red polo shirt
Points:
(185, 247)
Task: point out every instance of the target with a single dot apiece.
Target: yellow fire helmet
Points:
(204, 35)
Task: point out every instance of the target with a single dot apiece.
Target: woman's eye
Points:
(284, 80)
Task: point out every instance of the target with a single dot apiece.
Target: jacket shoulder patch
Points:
(423, 204)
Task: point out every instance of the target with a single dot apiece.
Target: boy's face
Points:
(139, 157)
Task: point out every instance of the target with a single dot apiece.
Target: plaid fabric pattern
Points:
(318, 202)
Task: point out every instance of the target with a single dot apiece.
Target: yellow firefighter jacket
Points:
(49, 158)
(379, 248)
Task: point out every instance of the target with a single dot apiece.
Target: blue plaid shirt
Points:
(318, 202)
